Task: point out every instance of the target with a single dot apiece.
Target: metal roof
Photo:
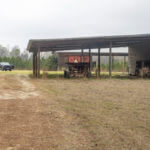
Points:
(92, 53)
(87, 42)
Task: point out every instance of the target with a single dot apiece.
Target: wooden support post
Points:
(34, 64)
(124, 61)
(82, 60)
(99, 65)
(110, 60)
(113, 63)
(38, 63)
(143, 69)
(89, 60)
(82, 51)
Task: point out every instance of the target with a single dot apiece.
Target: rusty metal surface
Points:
(78, 59)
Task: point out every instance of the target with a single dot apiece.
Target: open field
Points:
(56, 74)
(76, 114)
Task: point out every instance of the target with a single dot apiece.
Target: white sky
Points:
(21, 20)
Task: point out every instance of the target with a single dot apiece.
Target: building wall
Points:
(138, 53)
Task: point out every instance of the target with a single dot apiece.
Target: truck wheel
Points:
(9, 69)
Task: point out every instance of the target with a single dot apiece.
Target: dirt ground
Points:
(79, 114)
(30, 120)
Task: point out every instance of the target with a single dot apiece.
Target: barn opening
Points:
(119, 62)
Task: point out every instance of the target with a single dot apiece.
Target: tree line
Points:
(117, 66)
(23, 60)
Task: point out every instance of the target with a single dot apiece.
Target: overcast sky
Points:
(21, 20)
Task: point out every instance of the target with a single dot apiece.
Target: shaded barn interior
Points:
(104, 58)
(138, 45)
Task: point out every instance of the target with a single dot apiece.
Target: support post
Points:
(113, 62)
(124, 61)
(110, 60)
(82, 60)
(38, 63)
(143, 69)
(89, 60)
(34, 64)
(82, 51)
(99, 65)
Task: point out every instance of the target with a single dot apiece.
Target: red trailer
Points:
(78, 59)
(77, 66)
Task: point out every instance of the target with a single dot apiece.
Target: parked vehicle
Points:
(4, 66)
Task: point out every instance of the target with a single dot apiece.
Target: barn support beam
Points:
(35, 64)
(99, 65)
(89, 60)
(143, 69)
(82, 52)
(38, 63)
(110, 60)
(34, 55)
(113, 62)
(124, 62)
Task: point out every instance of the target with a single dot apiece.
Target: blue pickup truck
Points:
(4, 66)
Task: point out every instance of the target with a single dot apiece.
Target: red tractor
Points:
(77, 66)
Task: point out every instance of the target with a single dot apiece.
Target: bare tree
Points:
(25, 55)
(15, 52)
(4, 51)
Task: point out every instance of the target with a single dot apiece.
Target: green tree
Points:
(51, 63)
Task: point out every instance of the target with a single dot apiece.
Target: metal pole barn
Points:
(80, 43)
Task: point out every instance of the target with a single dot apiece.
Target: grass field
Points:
(76, 114)
(57, 74)
(116, 113)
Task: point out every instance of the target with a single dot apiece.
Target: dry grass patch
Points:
(116, 113)
(31, 119)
